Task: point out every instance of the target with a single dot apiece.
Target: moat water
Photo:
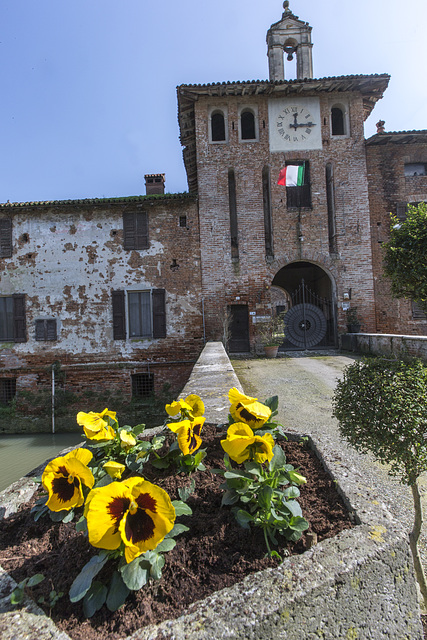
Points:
(20, 454)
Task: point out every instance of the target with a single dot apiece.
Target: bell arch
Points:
(309, 293)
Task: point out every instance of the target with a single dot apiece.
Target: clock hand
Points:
(296, 124)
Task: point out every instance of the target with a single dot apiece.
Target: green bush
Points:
(381, 405)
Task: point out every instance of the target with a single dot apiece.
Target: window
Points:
(7, 390)
(415, 169)
(135, 230)
(5, 238)
(12, 318)
(46, 330)
(417, 312)
(299, 197)
(183, 221)
(218, 130)
(330, 198)
(146, 314)
(142, 385)
(337, 121)
(247, 125)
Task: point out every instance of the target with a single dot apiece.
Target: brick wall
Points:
(389, 191)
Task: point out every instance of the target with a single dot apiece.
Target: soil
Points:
(215, 553)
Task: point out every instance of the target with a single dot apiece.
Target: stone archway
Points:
(310, 320)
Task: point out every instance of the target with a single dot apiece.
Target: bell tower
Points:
(289, 36)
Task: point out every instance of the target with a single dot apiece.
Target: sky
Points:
(88, 87)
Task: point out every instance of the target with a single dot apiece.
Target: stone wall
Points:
(386, 344)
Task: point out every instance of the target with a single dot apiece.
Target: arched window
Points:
(247, 124)
(218, 127)
(337, 121)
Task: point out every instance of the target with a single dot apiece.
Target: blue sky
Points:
(88, 87)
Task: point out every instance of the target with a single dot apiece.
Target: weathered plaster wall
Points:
(69, 257)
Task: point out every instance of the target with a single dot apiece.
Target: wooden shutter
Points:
(135, 230)
(19, 325)
(159, 313)
(40, 330)
(300, 197)
(5, 238)
(51, 333)
(119, 315)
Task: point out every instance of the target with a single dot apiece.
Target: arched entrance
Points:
(310, 313)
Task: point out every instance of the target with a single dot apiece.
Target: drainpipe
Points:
(53, 398)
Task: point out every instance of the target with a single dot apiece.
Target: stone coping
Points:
(357, 586)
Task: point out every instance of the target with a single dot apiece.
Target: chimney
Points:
(154, 183)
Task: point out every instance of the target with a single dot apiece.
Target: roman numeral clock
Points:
(294, 123)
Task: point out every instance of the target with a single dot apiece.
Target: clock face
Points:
(294, 124)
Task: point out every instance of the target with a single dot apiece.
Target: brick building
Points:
(123, 292)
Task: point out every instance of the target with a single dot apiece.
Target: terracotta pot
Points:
(271, 352)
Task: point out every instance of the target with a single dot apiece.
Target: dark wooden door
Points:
(239, 329)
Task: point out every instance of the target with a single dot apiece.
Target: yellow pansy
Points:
(196, 404)
(134, 511)
(114, 469)
(188, 434)
(94, 425)
(242, 444)
(248, 410)
(127, 440)
(63, 478)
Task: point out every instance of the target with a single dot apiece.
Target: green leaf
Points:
(17, 596)
(293, 507)
(243, 518)
(81, 584)
(94, 599)
(264, 496)
(117, 593)
(272, 403)
(135, 574)
(230, 475)
(69, 517)
(167, 544)
(161, 463)
(296, 477)
(58, 516)
(278, 460)
(103, 481)
(138, 429)
(291, 492)
(35, 579)
(230, 497)
(298, 524)
(181, 509)
(177, 530)
(185, 492)
(157, 562)
(81, 524)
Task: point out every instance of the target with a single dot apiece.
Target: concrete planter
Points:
(357, 586)
(271, 351)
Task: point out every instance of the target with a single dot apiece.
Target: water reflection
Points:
(20, 454)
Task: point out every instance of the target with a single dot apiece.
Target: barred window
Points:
(7, 390)
(142, 385)
(46, 330)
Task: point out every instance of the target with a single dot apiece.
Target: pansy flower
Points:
(188, 434)
(246, 409)
(127, 440)
(114, 469)
(192, 406)
(242, 444)
(134, 511)
(95, 426)
(63, 478)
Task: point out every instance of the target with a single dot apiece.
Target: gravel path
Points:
(305, 386)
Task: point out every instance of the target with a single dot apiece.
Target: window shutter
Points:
(19, 325)
(119, 317)
(51, 330)
(135, 230)
(159, 313)
(5, 238)
(129, 230)
(40, 333)
(141, 230)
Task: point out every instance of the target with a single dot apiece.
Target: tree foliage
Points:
(405, 261)
(381, 405)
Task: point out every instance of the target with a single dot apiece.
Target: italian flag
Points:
(292, 176)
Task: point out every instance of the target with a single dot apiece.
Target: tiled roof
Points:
(100, 201)
(398, 137)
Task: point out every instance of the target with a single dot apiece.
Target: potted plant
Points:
(353, 322)
(271, 334)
